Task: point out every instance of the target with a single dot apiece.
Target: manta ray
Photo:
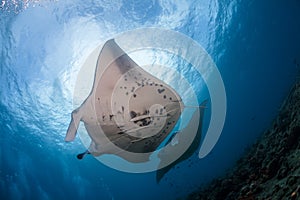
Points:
(129, 112)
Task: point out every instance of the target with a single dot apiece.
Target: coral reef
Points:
(271, 167)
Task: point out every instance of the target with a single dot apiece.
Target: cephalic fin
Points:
(73, 126)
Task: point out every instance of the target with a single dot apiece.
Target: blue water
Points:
(254, 43)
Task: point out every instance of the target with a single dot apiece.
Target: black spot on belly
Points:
(134, 95)
(161, 111)
(160, 90)
(133, 114)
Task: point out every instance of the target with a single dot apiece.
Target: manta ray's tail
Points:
(81, 155)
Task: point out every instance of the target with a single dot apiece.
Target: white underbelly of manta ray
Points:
(128, 110)
(127, 107)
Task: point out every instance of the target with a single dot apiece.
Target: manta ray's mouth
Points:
(144, 121)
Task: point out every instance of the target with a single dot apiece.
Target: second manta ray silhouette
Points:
(129, 112)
